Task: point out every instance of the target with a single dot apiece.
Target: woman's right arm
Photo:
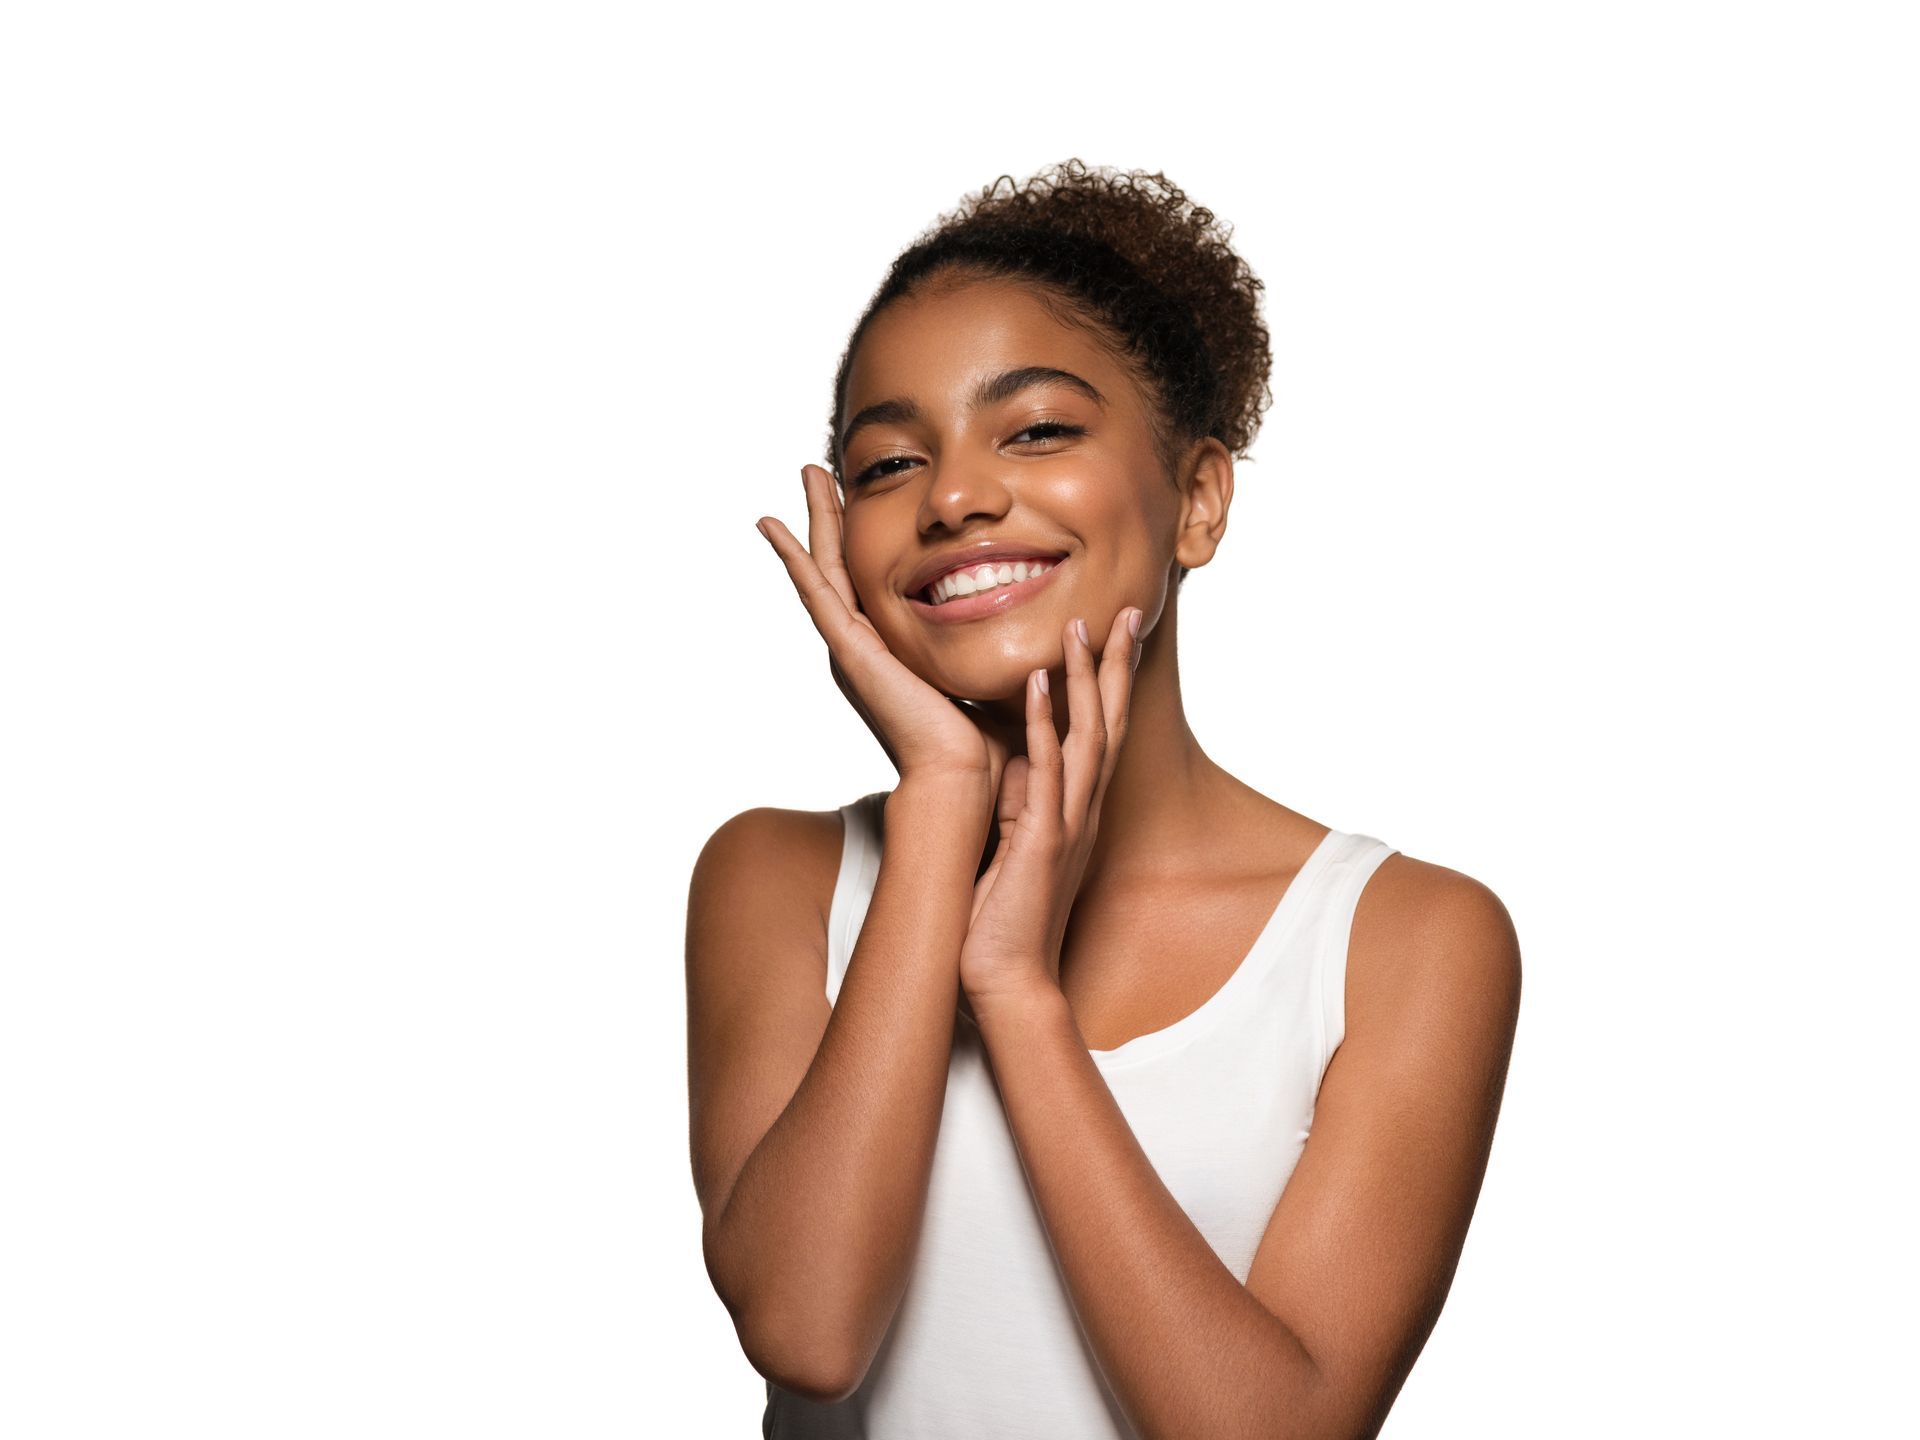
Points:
(814, 1124)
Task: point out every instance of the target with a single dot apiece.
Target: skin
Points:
(1170, 814)
(1125, 874)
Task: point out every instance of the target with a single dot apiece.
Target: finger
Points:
(829, 612)
(1001, 746)
(1116, 691)
(825, 522)
(1086, 743)
(983, 887)
(1013, 790)
(1042, 807)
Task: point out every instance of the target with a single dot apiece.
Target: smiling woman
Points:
(1071, 1087)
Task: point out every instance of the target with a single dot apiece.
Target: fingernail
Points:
(1133, 624)
(761, 526)
(1040, 679)
(1081, 626)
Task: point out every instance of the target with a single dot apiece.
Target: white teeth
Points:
(987, 577)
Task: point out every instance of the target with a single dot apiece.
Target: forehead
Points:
(934, 346)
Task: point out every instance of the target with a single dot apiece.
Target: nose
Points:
(960, 491)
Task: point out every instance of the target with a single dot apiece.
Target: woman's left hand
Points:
(1048, 811)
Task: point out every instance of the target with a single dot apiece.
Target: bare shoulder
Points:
(756, 967)
(769, 852)
(1432, 947)
(1361, 1250)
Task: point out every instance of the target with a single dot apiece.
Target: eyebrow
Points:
(991, 391)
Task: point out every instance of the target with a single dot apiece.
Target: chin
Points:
(1012, 700)
(995, 685)
(964, 681)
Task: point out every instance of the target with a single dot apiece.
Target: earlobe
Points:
(1209, 495)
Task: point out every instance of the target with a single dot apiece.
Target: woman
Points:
(1071, 1087)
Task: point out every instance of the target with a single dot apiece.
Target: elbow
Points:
(794, 1350)
(795, 1345)
(787, 1356)
(821, 1390)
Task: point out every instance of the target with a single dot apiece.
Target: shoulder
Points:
(1362, 1247)
(770, 854)
(769, 828)
(1432, 948)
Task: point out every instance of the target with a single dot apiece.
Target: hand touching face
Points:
(982, 432)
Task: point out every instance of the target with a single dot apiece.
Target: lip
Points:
(996, 601)
(981, 552)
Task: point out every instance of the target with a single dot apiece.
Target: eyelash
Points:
(1044, 428)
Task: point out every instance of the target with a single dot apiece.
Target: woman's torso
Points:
(985, 1341)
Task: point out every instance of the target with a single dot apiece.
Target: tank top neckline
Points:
(1268, 943)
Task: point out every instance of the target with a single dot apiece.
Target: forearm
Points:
(820, 1227)
(1186, 1348)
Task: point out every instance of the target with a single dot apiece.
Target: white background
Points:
(387, 395)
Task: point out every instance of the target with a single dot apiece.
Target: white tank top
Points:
(985, 1342)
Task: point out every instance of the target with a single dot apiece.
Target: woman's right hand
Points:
(924, 732)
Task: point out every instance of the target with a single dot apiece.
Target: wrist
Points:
(1039, 1001)
(964, 794)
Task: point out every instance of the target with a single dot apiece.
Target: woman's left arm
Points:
(1361, 1249)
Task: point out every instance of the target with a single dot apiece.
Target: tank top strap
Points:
(862, 823)
(1339, 898)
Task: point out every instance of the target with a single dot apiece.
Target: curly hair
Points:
(1129, 256)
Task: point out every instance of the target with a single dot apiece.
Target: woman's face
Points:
(945, 464)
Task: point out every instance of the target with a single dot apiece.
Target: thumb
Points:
(1013, 789)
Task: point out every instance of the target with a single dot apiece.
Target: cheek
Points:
(874, 594)
(1158, 513)
(1133, 521)
(866, 568)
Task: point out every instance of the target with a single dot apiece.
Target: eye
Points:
(1041, 430)
(874, 472)
(1046, 429)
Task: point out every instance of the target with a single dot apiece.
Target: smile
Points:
(972, 592)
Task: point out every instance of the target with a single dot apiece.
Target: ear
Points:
(1206, 495)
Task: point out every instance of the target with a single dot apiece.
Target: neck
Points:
(1163, 799)
(1164, 796)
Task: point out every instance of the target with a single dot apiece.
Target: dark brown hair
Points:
(1127, 256)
